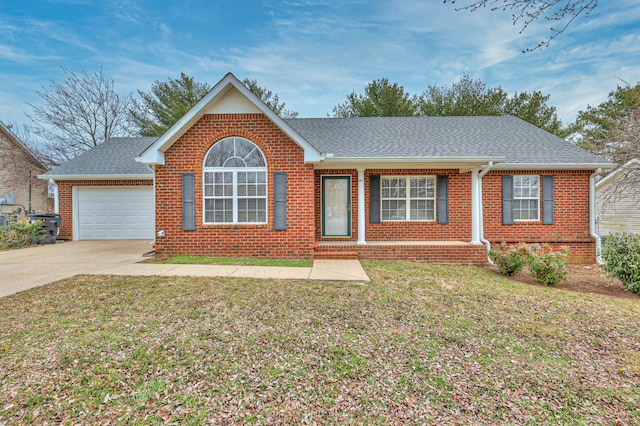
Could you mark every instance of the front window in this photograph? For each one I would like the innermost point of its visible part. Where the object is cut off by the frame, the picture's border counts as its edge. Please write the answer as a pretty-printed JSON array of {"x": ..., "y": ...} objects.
[
  {"x": 526, "y": 197},
  {"x": 408, "y": 198},
  {"x": 235, "y": 183}
]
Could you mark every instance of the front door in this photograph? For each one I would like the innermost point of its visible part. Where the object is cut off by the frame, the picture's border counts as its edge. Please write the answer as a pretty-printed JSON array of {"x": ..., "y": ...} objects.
[{"x": 336, "y": 206}]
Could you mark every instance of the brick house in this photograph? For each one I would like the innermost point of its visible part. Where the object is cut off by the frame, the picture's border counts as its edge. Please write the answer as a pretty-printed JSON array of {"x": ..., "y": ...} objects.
[
  {"x": 19, "y": 169},
  {"x": 232, "y": 178}
]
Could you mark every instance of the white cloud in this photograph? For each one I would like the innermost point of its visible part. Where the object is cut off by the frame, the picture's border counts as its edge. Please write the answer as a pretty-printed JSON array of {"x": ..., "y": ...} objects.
[{"x": 314, "y": 52}]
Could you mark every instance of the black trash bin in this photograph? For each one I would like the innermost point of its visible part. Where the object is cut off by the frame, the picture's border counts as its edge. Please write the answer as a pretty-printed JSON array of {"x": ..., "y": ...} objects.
[{"x": 51, "y": 225}]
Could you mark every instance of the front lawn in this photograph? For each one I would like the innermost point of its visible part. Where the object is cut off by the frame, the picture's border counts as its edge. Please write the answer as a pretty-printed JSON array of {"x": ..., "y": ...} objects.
[{"x": 420, "y": 344}]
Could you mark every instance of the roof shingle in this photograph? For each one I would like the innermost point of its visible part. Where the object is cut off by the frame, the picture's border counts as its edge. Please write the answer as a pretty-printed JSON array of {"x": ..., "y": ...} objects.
[
  {"x": 440, "y": 137},
  {"x": 519, "y": 142},
  {"x": 117, "y": 156}
]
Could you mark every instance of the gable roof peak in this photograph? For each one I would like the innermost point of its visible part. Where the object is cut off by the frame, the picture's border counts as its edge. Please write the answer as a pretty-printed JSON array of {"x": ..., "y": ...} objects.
[{"x": 154, "y": 154}]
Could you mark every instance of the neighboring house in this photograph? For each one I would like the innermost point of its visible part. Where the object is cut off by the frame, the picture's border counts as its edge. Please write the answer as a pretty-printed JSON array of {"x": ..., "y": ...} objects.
[
  {"x": 232, "y": 178},
  {"x": 619, "y": 206},
  {"x": 19, "y": 170}
]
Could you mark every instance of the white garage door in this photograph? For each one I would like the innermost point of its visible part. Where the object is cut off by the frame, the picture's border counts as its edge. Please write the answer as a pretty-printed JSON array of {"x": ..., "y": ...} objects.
[{"x": 118, "y": 213}]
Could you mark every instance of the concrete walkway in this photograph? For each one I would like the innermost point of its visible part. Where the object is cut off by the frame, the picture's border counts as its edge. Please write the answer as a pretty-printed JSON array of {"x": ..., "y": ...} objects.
[{"x": 39, "y": 265}]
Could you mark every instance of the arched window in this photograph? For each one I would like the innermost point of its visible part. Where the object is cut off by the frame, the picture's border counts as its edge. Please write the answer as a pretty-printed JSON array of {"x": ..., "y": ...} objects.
[{"x": 235, "y": 183}]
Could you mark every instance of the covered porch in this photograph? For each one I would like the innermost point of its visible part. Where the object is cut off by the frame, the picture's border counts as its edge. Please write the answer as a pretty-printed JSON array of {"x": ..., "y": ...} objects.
[{"x": 355, "y": 225}]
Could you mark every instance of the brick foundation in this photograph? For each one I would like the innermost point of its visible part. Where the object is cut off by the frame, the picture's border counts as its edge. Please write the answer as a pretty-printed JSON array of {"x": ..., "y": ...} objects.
[{"x": 426, "y": 252}]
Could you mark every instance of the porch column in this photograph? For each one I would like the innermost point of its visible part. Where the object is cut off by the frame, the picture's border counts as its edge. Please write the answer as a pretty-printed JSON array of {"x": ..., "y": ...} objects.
[
  {"x": 475, "y": 207},
  {"x": 361, "y": 218}
]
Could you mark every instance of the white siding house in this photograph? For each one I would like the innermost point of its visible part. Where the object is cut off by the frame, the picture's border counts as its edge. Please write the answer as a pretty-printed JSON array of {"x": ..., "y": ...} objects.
[{"x": 618, "y": 209}]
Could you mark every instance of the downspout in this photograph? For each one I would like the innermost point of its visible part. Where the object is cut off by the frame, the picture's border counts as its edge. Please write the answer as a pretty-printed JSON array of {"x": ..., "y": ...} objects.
[
  {"x": 483, "y": 240},
  {"x": 152, "y": 169},
  {"x": 592, "y": 215},
  {"x": 56, "y": 198}
]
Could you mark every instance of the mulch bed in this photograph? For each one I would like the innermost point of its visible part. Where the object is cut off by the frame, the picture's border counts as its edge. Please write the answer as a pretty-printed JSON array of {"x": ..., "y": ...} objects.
[{"x": 583, "y": 279}]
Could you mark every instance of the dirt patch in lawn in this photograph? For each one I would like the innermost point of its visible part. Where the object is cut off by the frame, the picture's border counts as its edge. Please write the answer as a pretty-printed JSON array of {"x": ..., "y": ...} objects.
[{"x": 582, "y": 279}]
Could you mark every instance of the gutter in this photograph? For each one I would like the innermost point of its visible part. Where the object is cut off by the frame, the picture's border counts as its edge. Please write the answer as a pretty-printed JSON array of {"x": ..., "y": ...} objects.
[
  {"x": 556, "y": 166},
  {"x": 152, "y": 169},
  {"x": 592, "y": 215},
  {"x": 483, "y": 240},
  {"x": 435, "y": 160},
  {"x": 97, "y": 177}
]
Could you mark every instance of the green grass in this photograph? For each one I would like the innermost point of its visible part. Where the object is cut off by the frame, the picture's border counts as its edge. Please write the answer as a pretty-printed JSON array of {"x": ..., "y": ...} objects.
[
  {"x": 420, "y": 344},
  {"x": 245, "y": 261}
]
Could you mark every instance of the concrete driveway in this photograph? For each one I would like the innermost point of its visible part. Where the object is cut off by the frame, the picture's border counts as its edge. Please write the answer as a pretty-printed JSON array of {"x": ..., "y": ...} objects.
[{"x": 38, "y": 265}]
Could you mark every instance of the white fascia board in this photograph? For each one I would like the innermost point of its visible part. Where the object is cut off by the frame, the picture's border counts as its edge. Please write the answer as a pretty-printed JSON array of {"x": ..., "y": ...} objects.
[
  {"x": 154, "y": 154},
  {"x": 412, "y": 159},
  {"x": 407, "y": 163},
  {"x": 147, "y": 176},
  {"x": 553, "y": 166},
  {"x": 618, "y": 170},
  {"x": 154, "y": 157}
]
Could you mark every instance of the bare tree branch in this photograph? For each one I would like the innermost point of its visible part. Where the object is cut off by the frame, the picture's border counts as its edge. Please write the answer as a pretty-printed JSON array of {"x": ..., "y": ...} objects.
[
  {"x": 612, "y": 130},
  {"x": 79, "y": 113},
  {"x": 525, "y": 12}
]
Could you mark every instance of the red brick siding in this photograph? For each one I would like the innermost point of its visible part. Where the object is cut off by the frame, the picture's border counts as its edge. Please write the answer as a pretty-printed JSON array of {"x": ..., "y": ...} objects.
[
  {"x": 571, "y": 214},
  {"x": 458, "y": 228},
  {"x": 282, "y": 154},
  {"x": 425, "y": 253},
  {"x": 570, "y": 230},
  {"x": 65, "y": 195}
]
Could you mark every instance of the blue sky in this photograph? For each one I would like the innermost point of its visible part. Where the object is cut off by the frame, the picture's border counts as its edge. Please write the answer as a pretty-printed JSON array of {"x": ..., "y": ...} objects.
[{"x": 312, "y": 52}]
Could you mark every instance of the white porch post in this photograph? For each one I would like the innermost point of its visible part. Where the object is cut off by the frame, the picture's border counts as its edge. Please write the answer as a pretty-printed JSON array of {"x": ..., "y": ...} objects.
[
  {"x": 475, "y": 207},
  {"x": 361, "y": 218}
]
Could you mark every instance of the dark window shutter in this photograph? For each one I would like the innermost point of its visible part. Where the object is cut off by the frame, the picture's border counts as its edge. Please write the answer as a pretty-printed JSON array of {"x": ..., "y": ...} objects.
[
  {"x": 443, "y": 199},
  {"x": 188, "y": 202},
  {"x": 547, "y": 200},
  {"x": 280, "y": 200},
  {"x": 374, "y": 199},
  {"x": 507, "y": 200}
]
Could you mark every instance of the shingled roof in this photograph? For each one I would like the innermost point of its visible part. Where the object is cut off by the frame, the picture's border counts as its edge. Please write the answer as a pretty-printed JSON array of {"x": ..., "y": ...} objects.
[
  {"x": 517, "y": 141},
  {"x": 114, "y": 158}
]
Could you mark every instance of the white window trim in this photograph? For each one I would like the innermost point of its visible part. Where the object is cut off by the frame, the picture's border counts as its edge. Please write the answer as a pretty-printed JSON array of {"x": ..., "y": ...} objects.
[
  {"x": 527, "y": 198},
  {"x": 408, "y": 198},
  {"x": 234, "y": 197}
]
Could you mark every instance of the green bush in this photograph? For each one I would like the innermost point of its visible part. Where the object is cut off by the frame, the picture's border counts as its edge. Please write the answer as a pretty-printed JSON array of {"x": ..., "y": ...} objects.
[
  {"x": 547, "y": 267},
  {"x": 621, "y": 256},
  {"x": 510, "y": 259},
  {"x": 19, "y": 232}
]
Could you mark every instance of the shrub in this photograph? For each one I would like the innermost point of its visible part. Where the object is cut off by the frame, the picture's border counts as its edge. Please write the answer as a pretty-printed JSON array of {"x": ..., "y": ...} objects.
[
  {"x": 547, "y": 267},
  {"x": 510, "y": 259},
  {"x": 19, "y": 232},
  {"x": 621, "y": 256}
]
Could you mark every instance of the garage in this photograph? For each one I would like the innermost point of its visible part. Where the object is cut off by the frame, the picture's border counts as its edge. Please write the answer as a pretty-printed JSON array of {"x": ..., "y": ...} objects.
[{"x": 114, "y": 213}]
